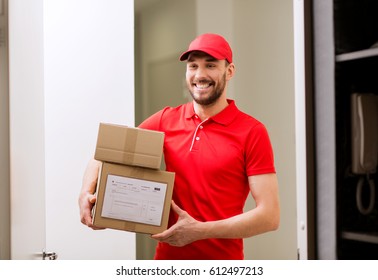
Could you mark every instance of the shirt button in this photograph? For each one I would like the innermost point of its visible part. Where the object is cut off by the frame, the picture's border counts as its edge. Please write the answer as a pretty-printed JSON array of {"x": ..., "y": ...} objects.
[
  {"x": 196, "y": 116},
  {"x": 197, "y": 138},
  {"x": 201, "y": 127}
]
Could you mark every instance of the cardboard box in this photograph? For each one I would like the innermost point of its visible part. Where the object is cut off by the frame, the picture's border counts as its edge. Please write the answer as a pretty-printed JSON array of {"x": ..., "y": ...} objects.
[
  {"x": 133, "y": 198},
  {"x": 130, "y": 146}
]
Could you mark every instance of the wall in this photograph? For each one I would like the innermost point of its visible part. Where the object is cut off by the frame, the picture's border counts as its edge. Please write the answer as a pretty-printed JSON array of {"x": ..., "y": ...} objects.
[
  {"x": 4, "y": 132},
  {"x": 261, "y": 34},
  {"x": 264, "y": 87},
  {"x": 163, "y": 31},
  {"x": 220, "y": 22}
]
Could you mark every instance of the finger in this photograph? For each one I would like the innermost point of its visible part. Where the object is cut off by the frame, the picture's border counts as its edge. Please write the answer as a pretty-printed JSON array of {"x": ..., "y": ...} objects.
[
  {"x": 163, "y": 235},
  {"x": 86, "y": 218},
  {"x": 92, "y": 199},
  {"x": 88, "y": 221},
  {"x": 177, "y": 209},
  {"x": 86, "y": 210}
]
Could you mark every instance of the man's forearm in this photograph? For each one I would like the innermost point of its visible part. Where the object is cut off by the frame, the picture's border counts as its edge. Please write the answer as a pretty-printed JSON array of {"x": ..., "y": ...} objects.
[{"x": 90, "y": 177}]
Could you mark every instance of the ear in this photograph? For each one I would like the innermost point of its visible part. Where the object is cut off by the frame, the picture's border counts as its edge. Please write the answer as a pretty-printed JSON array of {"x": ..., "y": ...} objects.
[{"x": 230, "y": 71}]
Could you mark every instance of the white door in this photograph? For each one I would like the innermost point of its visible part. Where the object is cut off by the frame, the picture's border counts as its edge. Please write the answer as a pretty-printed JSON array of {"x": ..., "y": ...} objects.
[{"x": 71, "y": 67}]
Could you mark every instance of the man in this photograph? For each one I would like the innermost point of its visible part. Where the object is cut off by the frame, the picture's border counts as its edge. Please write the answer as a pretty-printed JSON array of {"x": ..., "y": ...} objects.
[{"x": 219, "y": 155}]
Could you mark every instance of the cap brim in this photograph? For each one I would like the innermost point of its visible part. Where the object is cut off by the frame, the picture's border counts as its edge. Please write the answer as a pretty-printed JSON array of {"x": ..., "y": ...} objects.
[{"x": 185, "y": 55}]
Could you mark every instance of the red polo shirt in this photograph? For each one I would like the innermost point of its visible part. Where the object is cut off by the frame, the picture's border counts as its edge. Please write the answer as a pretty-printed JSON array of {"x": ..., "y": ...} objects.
[{"x": 212, "y": 160}]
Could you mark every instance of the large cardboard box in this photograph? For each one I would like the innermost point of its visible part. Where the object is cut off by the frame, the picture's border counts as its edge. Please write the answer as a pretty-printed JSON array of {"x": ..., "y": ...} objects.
[
  {"x": 130, "y": 146},
  {"x": 133, "y": 198}
]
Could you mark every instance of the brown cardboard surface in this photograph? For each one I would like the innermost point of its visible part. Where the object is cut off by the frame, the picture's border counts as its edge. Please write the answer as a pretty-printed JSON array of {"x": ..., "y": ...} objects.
[
  {"x": 129, "y": 145},
  {"x": 132, "y": 172}
]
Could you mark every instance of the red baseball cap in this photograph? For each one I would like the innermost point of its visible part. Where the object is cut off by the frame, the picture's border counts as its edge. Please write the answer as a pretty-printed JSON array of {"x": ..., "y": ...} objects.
[{"x": 212, "y": 44}]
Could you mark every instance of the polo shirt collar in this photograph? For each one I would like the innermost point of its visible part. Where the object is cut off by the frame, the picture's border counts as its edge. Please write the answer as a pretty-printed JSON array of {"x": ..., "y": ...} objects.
[{"x": 225, "y": 117}]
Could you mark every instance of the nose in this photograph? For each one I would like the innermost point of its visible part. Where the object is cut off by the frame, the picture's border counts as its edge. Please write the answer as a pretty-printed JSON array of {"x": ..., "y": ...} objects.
[{"x": 200, "y": 73}]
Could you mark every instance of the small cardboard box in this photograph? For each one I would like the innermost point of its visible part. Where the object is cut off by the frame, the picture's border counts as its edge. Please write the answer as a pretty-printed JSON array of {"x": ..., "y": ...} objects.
[
  {"x": 130, "y": 146},
  {"x": 133, "y": 198}
]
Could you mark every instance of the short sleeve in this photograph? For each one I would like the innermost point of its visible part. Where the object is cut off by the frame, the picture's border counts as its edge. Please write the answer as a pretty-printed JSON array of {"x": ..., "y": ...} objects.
[
  {"x": 154, "y": 121},
  {"x": 259, "y": 153}
]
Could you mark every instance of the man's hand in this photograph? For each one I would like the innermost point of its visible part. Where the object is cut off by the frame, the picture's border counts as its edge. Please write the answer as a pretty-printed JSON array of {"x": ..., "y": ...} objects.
[
  {"x": 87, "y": 199},
  {"x": 185, "y": 231},
  {"x": 86, "y": 203}
]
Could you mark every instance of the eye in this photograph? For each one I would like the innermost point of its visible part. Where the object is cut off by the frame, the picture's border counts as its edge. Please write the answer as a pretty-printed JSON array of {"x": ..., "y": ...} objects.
[
  {"x": 192, "y": 66},
  {"x": 211, "y": 65}
]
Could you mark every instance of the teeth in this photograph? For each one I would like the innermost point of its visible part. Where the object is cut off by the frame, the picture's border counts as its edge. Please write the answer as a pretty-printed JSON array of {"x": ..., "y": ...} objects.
[{"x": 202, "y": 86}]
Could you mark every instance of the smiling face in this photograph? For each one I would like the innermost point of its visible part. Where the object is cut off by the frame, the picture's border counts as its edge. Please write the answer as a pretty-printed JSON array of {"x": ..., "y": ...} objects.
[{"x": 207, "y": 77}]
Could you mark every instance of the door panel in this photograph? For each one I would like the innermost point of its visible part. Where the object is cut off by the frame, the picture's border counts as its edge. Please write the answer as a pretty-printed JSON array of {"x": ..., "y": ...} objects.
[{"x": 75, "y": 72}]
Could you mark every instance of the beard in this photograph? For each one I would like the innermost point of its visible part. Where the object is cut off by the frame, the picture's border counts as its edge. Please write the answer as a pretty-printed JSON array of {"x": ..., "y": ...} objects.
[{"x": 213, "y": 96}]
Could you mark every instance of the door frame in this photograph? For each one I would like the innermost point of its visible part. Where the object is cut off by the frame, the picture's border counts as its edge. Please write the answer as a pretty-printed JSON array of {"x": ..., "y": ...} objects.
[{"x": 304, "y": 123}]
